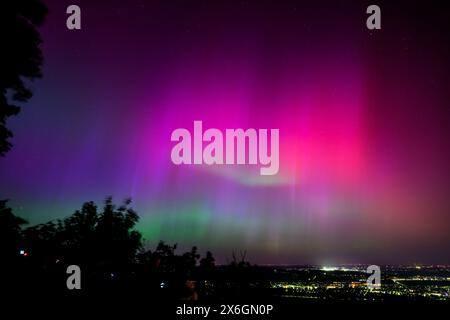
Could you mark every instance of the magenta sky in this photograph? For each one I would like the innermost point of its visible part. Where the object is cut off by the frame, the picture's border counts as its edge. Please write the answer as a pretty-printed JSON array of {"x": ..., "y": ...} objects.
[{"x": 363, "y": 119}]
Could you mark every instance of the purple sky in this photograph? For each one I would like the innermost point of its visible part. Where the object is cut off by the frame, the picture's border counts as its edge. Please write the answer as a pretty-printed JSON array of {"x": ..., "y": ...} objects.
[{"x": 363, "y": 118}]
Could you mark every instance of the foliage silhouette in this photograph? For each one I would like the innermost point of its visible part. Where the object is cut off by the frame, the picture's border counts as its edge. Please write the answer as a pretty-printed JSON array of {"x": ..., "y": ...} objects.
[
  {"x": 208, "y": 261},
  {"x": 111, "y": 255},
  {"x": 10, "y": 232},
  {"x": 21, "y": 57},
  {"x": 102, "y": 242}
]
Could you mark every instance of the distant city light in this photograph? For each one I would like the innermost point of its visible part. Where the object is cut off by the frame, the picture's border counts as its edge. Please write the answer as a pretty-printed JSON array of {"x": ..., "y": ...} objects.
[{"x": 327, "y": 268}]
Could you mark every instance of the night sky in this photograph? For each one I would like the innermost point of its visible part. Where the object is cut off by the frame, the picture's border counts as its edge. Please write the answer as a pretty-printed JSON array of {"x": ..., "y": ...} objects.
[{"x": 364, "y": 119}]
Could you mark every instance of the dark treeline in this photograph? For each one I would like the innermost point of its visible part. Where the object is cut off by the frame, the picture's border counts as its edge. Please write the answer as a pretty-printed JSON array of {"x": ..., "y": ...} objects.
[{"x": 112, "y": 258}]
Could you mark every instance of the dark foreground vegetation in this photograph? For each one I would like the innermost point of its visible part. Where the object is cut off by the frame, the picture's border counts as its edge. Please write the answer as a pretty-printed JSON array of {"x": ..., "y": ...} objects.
[{"x": 113, "y": 260}]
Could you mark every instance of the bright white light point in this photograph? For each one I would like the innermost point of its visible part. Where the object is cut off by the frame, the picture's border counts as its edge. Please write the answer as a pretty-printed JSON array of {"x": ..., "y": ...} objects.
[{"x": 326, "y": 268}]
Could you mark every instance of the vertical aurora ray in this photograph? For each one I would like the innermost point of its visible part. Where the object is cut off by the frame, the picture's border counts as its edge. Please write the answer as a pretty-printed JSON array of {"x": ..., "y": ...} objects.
[{"x": 362, "y": 119}]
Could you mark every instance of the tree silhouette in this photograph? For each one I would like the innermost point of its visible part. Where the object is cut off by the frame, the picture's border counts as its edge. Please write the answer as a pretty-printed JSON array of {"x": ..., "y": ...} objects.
[
  {"x": 21, "y": 57},
  {"x": 208, "y": 262},
  {"x": 101, "y": 237},
  {"x": 165, "y": 257},
  {"x": 189, "y": 259},
  {"x": 10, "y": 232},
  {"x": 102, "y": 242},
  {"x": 11, "y": 240}
]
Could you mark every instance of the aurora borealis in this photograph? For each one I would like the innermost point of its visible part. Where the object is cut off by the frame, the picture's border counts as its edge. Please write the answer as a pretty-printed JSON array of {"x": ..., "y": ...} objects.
[{"x": 363, "y": 119}]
